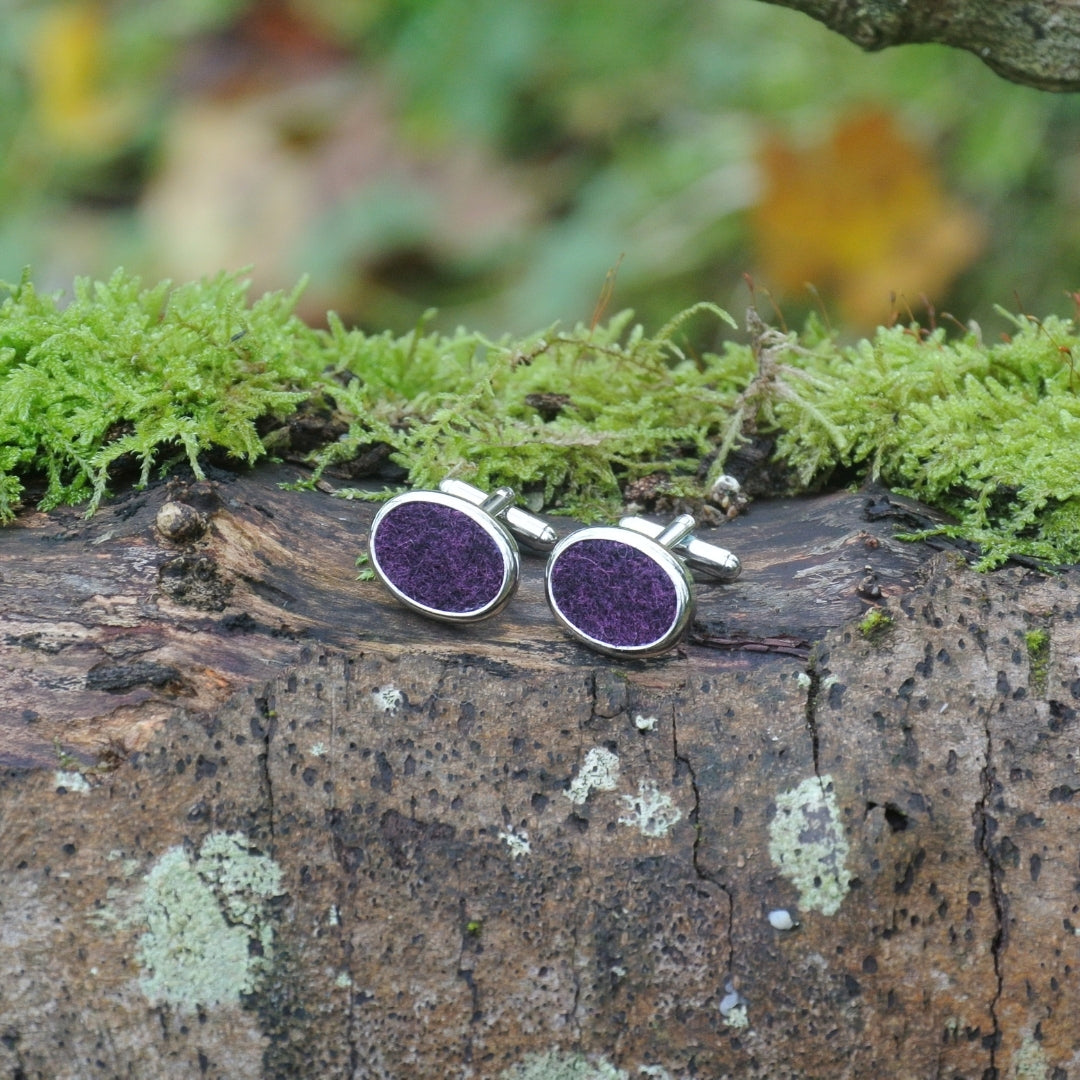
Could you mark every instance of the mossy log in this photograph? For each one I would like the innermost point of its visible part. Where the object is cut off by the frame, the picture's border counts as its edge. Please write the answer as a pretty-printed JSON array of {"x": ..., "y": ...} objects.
[{"x": 257, "y": 821}]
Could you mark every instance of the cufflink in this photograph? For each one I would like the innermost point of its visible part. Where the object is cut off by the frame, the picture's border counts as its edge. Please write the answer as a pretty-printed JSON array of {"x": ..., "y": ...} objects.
[
  {"x": 451, "y": 554},
  {"x": 626, "y": 590}
]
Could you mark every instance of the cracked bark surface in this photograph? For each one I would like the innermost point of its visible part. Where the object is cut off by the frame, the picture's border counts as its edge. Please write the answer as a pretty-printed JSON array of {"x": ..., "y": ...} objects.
[
  {"x": 1033, "y": 42},
  {"x": 445, "y": 908}
]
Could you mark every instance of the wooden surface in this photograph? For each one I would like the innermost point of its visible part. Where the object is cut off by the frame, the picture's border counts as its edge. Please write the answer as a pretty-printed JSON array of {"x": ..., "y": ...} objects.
[
  {"x": 106, "y": 627},
  {"x": 258, "y": 821}
]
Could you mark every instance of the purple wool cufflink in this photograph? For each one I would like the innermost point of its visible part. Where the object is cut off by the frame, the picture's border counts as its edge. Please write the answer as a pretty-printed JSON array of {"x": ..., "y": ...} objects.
[
  {"x": 440, "y": 557},
  {"x": 448, "y": 553},
  {"x": 621, "y": 590}
]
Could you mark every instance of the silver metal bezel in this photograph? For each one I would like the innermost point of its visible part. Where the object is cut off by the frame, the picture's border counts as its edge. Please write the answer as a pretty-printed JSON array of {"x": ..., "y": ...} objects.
[
  {"x": 494, "y": 528},
  {"x": 670, "y": 564}
]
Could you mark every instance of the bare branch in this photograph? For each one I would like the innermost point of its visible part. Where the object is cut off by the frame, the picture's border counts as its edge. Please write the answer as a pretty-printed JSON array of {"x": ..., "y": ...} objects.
[{"x": 1033, "y": 42}]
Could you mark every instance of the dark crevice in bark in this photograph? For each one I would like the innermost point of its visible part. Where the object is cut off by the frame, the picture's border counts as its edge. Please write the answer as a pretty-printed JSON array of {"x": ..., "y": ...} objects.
[
  {"x": 352, "y": 1031},
  {"x": 695, "y": 818},
  {"x": 467, "y": 976},
  {"x": 572, "y": 1018},
  {"x": 437, "y": 693},
  {"x": 107, "y": 1036},
  {"x": 352, "y": 1026},
  {"x": 985, "y": 825},
  {"x": 813, "y": 692},
  {"x": 267, "y": 723},
  {"x": 21, "y": 1070},
  {"x": 354, "y": 1046}
]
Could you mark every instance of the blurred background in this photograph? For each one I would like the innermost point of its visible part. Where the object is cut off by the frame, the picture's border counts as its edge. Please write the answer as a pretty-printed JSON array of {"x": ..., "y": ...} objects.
[{"x": 496, "y": 159}]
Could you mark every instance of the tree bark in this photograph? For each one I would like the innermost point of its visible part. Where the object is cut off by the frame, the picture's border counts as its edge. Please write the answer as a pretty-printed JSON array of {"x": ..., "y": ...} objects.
[
  {"x": 1033, "y": 42},
  {"x": 257, "y": 821}
]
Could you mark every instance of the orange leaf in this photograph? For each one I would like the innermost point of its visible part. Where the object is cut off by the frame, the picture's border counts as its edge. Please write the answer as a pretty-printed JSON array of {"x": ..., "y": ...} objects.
[{"x": 860, "y": 217}]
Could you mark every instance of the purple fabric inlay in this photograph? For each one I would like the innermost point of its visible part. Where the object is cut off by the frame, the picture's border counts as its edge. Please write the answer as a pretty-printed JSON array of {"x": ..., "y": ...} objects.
[
  {"x": 439, "y": 557},
  {"x": 614, "y": 593}
]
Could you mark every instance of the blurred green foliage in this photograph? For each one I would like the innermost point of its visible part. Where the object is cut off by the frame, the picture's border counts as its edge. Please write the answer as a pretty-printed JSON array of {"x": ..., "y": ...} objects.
[{"x": 493, "y": 160}]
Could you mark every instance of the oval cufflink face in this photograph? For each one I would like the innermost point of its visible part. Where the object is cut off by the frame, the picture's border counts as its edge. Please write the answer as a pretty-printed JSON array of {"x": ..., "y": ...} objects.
[
  {"x": 619, "y": 592},
  {"x": 443, "y": 557}
]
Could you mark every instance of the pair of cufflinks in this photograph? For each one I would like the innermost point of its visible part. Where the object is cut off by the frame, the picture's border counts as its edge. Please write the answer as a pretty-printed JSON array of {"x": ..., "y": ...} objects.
[{"x": 623, "y": 590}]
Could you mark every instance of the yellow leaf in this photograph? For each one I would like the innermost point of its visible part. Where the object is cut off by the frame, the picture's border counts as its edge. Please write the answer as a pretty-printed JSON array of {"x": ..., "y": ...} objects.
[
  {"x": 860, "y": 217},
  {"x": 66, "y": 62}
]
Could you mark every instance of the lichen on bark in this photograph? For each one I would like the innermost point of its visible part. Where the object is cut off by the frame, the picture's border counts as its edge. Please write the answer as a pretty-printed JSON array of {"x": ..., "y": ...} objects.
[{"x": 206, "y": 940}]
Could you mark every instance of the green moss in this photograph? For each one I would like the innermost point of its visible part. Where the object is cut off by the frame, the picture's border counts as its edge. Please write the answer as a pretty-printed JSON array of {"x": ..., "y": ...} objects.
[
  {"x": 64, "y": 759},
  {"x": 630, "y": 405},
  {"x": 875, "y": 624},
  {"x": 1038, "y": 650},
  {"x": 128, "y": 380},
  {"x": 987, "y": 433},
  {"x": 125, "y": 374}
]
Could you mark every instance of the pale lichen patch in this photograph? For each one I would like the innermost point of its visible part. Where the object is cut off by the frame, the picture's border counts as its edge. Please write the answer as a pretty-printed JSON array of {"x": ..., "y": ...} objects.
[
  {"x": 242, "y": 878},
  {"x": 1029, "y": 1062},
  {"x": 387, "y": 699},
  {"x": 645, "y": 723},
  {"x": 737, "y": 1017},
  {"x": 807, "y": 844},
  {"x": 599, "y": 772},
  {"x": 129, "y": 867},
  {"x": 557, "y": 1065},
  {"x": 650, "y": 811},
  {"x": 206, "y": 939},
  {"x": 518, "y": 843},
  {"x": 72, "y": 781},
  {"x": 733, "y": 1007},
  {"x": 189, "y": 954}
]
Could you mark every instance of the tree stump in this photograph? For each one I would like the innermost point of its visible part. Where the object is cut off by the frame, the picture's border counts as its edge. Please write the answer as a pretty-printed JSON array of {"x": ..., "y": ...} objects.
[{"x": 258, "y": 821}]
